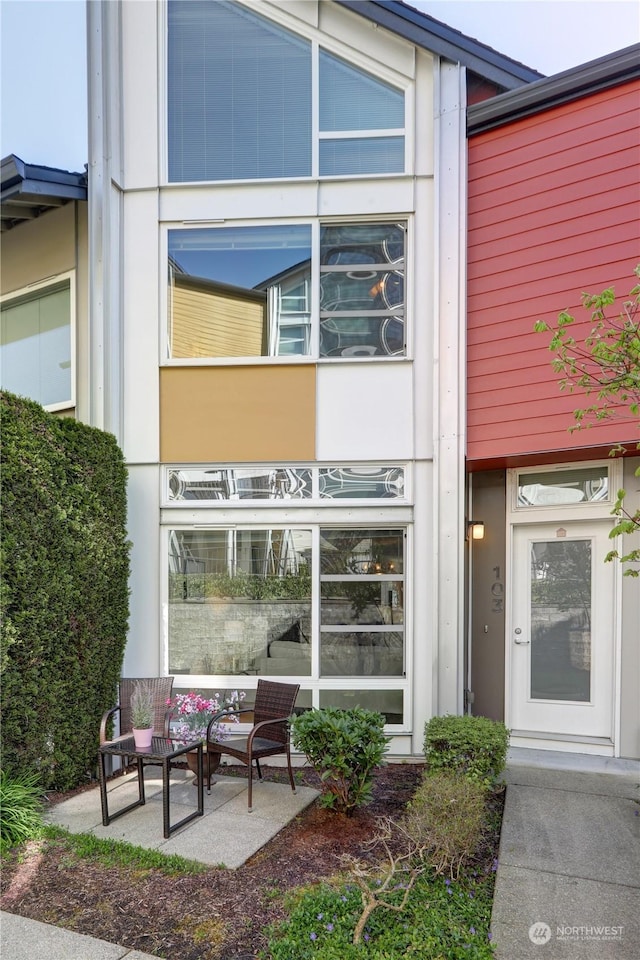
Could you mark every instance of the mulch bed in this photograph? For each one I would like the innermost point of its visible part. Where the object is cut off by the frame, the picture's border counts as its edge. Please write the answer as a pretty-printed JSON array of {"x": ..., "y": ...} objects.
[{"x": 208, "y": 916}]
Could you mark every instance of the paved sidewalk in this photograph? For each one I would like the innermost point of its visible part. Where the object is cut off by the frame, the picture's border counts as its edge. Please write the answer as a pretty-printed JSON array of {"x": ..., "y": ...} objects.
[{"x": 568, "y": 882}]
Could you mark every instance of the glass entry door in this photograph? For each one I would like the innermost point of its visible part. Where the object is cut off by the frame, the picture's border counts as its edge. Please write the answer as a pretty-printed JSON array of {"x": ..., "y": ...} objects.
[{"x": 562, "y": 630}]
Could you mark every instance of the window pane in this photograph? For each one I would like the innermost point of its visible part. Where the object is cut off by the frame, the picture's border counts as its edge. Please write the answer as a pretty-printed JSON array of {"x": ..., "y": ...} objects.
[
  {"x": 240, "y": 602},
  {"x": 35, "y": 353},
  {"x": 237, "y": 291},
  {"x": 357, "y": 155},
  {"x": 351, "y": 99},
  {"x": 357, "y": 551},
  {"x": 239, "y": 95},
  {"x": 373, "y": 601},
  {"x": 256, "y": 483},
  {"x": 362, "y": 654},
  {"x": 387, "y": 702},
  {"x": 370, "y": 483},
  {"x": 362, "y": 289},
  {"x": 554, "y": 487},
  {"x": 561, "y": 620}
]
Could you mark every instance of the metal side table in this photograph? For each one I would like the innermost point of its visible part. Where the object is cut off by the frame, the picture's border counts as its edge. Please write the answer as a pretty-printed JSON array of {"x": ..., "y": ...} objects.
[{"x": 163, "y": 751}]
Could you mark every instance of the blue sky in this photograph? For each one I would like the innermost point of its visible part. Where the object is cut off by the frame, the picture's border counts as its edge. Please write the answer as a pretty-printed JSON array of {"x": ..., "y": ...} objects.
[{"x": 43, "y": 58}]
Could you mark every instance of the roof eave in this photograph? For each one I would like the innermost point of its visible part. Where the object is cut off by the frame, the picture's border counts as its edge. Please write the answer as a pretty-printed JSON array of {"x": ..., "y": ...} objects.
[
  {"x": 444, "y": 41},
  {"x": 608, "y": 71}
]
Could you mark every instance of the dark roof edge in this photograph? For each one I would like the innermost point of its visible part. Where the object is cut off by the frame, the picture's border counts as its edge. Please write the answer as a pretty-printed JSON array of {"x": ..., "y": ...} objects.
[
  {"x": 15, "y": 171},
  {"x": 424, "y": 31},
  {"x": 608, "y": 71}
]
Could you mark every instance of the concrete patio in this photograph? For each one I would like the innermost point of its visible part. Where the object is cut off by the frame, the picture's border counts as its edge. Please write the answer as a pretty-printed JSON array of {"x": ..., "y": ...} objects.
[{"x": 227, "y": 835}]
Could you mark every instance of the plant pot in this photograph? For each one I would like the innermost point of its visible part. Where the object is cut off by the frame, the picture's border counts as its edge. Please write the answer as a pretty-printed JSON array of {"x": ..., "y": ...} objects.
[
  {"x": 210, "y": 762},
  {"x": 143, "y": 738}
]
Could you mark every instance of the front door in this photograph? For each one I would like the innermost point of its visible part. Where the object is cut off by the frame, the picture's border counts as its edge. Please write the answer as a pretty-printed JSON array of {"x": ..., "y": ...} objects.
[{"x": 561, "y": 630}]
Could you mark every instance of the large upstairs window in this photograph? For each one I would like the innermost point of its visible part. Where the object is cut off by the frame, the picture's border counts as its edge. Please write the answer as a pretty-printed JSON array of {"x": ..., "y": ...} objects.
[
  {"x": 243, "y": 98},
  {"x": 327, "y": 290}
]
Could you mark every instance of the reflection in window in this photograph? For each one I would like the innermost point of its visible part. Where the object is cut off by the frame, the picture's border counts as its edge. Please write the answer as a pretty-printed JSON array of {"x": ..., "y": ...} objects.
[
  {"x": 239, "y": 291},
  {"x": 240, "y": 602},
  {"x": 367, "y": 483},
  {"x": 362, "y": 284},
  {"x": 35, "y": 346},
  {"x": 551, "y": 488},
  {"x": 362, "y": 603},
  {"x": 285, "y": 483},
  {"x": 251, "y": 483},
  {"x": 387, "y": 702},
  {"x": 561, "y": 620},
  {"x": 246, "y": 291}
]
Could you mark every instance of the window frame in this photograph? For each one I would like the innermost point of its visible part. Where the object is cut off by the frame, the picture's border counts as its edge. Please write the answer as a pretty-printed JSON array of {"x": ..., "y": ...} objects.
[
  {"x": 571, "y": 511},
  {"x": 313, "y": 520},
  {"x": 315, "y": 500},
  {"x": 165, "y": 293},
  {"x": 318, "y": 41},
  {"x": 46, "y": 287}
]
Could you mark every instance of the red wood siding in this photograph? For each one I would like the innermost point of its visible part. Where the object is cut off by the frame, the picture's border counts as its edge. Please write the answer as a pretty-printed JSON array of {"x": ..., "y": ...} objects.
[{"x": 554, "y": 210}]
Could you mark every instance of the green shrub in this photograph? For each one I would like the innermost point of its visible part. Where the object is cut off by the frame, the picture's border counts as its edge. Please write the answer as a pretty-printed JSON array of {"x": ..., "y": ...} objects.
[
  {"x": 445, "y": 819},
  {"x": 476, "y": 747},
  {"x": 20, "y": 809},
  {"x": 64, "y": 564},
  {"x": 343, "y": 746}
]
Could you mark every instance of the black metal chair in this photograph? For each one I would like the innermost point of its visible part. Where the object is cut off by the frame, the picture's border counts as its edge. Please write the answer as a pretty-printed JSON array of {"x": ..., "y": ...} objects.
[{"x": 269, "y": 735}]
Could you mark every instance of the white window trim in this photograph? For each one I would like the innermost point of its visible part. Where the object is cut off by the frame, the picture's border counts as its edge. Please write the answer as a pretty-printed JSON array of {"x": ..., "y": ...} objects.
[
  {"x": 318, "y": 40},
  {"x": 314, "y": 501},
  {"x": 571, "y": 511},
  {"x": 42, "y": 286},
  {"x": 313, "y": 357},
  {"x": 315, "y": 684}
]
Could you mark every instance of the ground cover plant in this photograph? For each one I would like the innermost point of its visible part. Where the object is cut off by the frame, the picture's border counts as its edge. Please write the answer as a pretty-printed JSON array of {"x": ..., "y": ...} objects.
[{"x": 180, "y": 912}]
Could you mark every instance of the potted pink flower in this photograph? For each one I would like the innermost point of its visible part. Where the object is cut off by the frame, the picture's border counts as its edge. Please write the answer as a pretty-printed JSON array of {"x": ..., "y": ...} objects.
[{"x": 193, "y": 713}]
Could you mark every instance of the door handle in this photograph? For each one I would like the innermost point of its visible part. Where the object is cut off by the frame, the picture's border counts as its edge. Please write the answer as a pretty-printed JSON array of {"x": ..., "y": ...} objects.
[{"x": 518, "y": 636}]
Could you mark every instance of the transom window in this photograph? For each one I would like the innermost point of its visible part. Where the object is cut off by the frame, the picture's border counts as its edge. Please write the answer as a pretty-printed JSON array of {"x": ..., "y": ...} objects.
[
  {"x": 559, "y": 487},
  {"x": 249, "y": 291},
  {"x": 229, "y": 484},
  {"x": 241, "y": 95},
  {"x": 36, "y": 346}
]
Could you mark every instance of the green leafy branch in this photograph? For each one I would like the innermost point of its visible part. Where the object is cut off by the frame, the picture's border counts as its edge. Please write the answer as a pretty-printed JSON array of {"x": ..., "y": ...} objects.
[{"x": 606, "y": 367}]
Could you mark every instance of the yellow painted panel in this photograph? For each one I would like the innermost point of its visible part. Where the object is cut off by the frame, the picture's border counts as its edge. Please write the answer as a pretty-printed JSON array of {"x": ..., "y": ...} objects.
[{"x": 237, "y": 414}]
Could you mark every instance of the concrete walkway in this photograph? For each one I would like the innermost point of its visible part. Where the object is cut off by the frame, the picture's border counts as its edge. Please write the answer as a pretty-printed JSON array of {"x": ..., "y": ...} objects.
[
  {"x": 568, "y": 882},
  {"x": 225, "y": 836}
]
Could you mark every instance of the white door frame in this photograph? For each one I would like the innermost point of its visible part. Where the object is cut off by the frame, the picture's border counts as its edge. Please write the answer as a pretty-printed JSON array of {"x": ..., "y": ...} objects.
[{"x": 518, "y": 516}]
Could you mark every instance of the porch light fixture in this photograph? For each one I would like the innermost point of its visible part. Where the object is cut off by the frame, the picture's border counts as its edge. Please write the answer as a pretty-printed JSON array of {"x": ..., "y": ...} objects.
[{"x": 475, "y": 530}]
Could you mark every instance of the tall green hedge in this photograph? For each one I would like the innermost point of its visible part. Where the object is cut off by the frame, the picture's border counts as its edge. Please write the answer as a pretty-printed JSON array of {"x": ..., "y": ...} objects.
[{"x": 64, "y": 564}]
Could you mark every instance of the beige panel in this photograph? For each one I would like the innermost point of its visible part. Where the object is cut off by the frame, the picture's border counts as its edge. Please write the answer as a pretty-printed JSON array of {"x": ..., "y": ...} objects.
[
  {"x": 40, "y": 248},
  {"x": 237, "y": 414}
]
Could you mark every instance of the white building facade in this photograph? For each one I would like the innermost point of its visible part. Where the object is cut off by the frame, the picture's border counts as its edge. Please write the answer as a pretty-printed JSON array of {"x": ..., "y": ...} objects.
[{"x": 276, "y": 222}]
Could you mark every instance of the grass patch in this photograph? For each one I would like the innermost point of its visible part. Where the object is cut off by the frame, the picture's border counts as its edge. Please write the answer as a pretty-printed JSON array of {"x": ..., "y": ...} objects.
[{"x": 119, "y": 853}]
